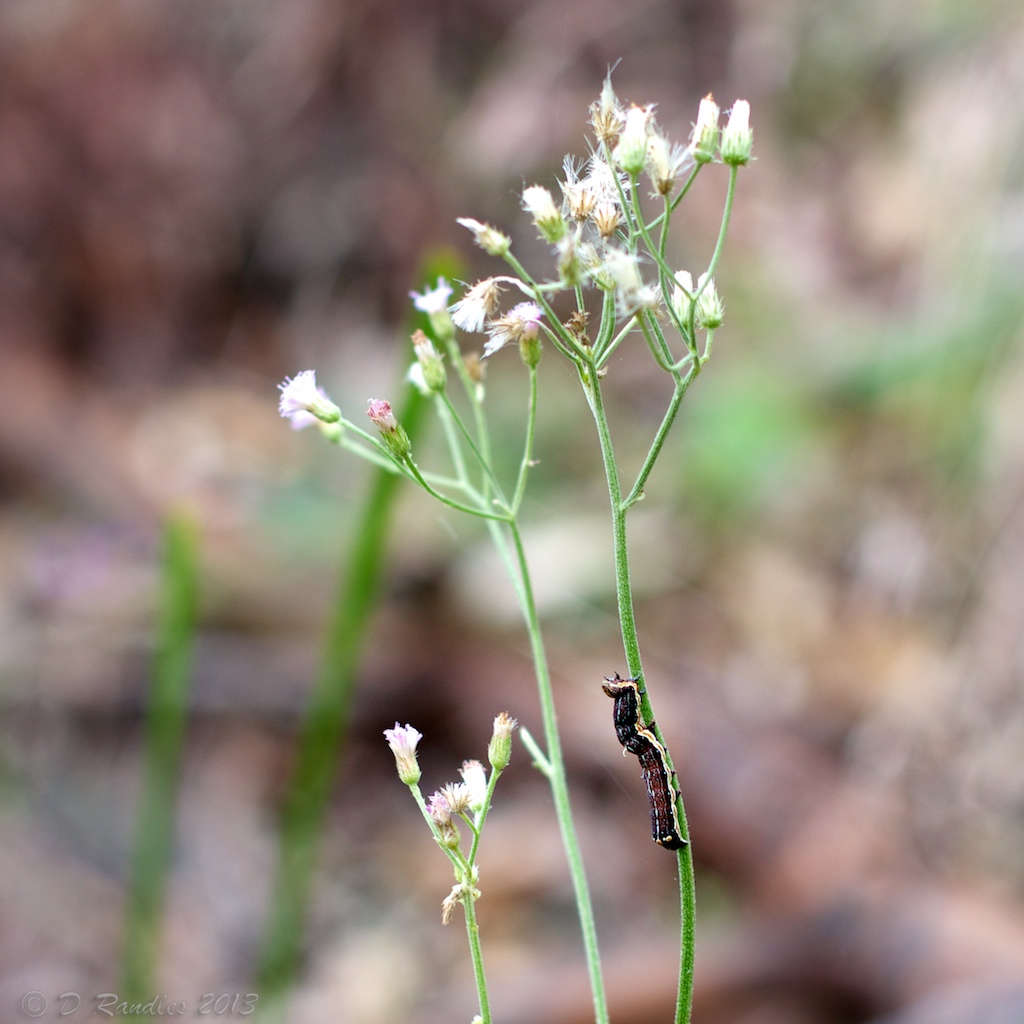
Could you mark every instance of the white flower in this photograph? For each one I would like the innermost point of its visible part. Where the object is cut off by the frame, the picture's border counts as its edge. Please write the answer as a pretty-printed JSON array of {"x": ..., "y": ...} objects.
[
  {"x": 665, "y": 162},
  {"x": 606, "y": 114},
  {"x": 481, "y": 301},
  {"x": 579, "y": 198},
  {"x": 435, "y": 300},
  {"x": 631, "y": 294},
  {"x": 457, "y": 796},
  {"x": 475, "y": 778},
  {"x": 303, "y": 403},
  {"x": 601, "y": 179}
]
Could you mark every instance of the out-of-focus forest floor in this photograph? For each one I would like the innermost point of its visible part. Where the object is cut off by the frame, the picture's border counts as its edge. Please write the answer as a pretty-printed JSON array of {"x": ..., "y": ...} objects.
[{"x": 199, "y": 198}]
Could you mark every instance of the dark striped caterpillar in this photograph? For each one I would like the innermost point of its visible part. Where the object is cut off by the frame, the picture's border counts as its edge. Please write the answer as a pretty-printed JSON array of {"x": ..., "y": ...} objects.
[{"x": 637, "y": 738}]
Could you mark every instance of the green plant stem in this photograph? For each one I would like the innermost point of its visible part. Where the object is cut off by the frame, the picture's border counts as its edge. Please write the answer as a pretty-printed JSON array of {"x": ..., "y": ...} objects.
[
  {"x": 465, "y": 873},
  {"x": 163, "y": 739},
  {"x": 478, "y": 824},
  {"x": 527, "y": 460},
  {"x": 723, "y": 228},
  {"x": 559, "y": 784},
  {"x": 482, "y": 513},
  {"x": 631, "y": 645},
  {"x": 477, "y": 956},
  {"x": 682, "y": 385}
]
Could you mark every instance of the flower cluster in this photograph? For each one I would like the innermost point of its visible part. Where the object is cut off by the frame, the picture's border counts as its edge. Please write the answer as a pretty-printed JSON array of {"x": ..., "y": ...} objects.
[
  {"x": 596, "y": 230},
  {"x": 598, "y": 236},
  {"x": 469, "y": 800}
]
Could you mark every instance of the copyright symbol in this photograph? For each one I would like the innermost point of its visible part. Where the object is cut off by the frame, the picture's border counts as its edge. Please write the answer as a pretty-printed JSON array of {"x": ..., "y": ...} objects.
[{"x": 33, "y": 1004}]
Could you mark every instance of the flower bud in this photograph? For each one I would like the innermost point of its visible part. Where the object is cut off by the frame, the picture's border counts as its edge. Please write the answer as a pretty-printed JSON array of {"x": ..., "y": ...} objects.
[
  {"x": 499, "y": 750},
  {"x": 402, "y": 740},
  {"x": 395, "y": 439},
  {"x": 475, "y": 778},
  {"x": 710, "y": 309},
  {"x": 429, "y": 361},
  {"x": 489, "y": 239},
  {"x": 631, "y": 152},
  {"x": 571, "y": 271},
  {"x": 440, "y": 812},
  {"x": 681, "y": 295},
  {"x": 704, "y": 139},
  {"x": 540, "y": 205},
  {"x": 738, "y": 139}
]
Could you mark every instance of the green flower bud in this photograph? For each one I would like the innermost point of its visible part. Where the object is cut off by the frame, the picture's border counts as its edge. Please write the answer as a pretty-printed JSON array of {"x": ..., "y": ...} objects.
[{"x": 499, "y": 750}]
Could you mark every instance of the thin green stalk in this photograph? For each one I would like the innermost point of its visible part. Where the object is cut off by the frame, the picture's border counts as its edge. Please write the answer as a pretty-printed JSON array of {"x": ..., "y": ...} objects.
[
  {"x": 481, "y": 458},
  {"x": 559, "y": 783},
  {"x": 477, "y": 956},
  {"x": 723, "y": 228},
  {"x": 482, "y": 513},
  {"x": 527, "y": 460},
  {"x": 163, "y": 738},
  {"x": 631, "y": 645},
  {"x": 478, "y": 825},
  {"x": 682, "y": 385},
  {"x": 465, "y": 873}
]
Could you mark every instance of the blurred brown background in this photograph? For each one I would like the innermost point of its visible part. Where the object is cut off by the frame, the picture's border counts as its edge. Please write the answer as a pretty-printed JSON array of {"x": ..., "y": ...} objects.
[{"x": 198, "y": 197}]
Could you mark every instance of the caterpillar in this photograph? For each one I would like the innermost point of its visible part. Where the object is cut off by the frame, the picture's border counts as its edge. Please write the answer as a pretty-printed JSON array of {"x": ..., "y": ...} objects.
[
  {"x": 665, "y": 829},
  {"x": 637, "y": 738},
  {"x": 626, "y": 713}
]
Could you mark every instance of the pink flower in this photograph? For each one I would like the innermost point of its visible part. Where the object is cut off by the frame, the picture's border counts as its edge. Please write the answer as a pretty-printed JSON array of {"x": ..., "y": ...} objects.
[
  {"x": 439, "y": 809},
  {"x": 402, "y": 740},
  {"x": 395, "y": 439},
  {"x": 520, "y": 323}
]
